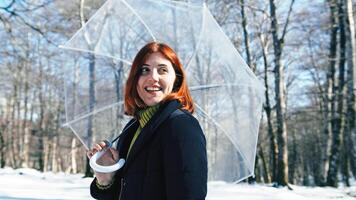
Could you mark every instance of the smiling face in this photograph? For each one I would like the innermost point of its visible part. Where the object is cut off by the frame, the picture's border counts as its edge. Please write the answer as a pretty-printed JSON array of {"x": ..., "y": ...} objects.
[{"x": 156, "y": 79}]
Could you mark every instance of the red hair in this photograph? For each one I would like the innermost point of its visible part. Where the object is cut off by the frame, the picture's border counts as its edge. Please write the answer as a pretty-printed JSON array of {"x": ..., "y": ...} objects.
[{"x": 180, "y": 91}]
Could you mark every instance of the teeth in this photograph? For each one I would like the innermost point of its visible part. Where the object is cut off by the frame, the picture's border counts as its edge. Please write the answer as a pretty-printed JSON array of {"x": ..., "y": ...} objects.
[{"x": 150, "y": 89}]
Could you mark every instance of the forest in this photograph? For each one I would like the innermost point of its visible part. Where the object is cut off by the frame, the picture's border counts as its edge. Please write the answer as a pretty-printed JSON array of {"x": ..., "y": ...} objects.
[{"x": 303, "y": 52}]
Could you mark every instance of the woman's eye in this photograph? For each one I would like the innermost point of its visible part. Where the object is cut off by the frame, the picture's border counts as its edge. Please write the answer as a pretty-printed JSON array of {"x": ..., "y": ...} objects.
[
  {"x": 163, "y": 70},
  {"x": 144, "y": 70}
]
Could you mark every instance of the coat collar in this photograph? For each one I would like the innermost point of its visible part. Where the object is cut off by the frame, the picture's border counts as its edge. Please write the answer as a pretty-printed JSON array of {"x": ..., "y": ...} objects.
[{"x": 148, "y": 131}]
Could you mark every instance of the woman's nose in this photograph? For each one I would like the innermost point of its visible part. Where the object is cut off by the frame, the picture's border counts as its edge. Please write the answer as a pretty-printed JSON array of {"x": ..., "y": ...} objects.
[{"x": 154, "y": 75}]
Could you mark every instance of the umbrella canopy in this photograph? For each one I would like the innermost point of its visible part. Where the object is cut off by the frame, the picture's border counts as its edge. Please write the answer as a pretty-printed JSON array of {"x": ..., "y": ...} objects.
[{"x": 227, "y": 95}]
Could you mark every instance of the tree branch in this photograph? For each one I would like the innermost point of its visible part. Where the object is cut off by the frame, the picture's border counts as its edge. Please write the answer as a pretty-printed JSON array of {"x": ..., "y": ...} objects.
[
  {"x": 287, "y": 22},
  {"x": 8, "y": 6}
]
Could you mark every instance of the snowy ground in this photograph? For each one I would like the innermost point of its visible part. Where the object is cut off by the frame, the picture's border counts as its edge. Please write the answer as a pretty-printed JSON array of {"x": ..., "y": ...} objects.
[{"x": 29, "y": 184}]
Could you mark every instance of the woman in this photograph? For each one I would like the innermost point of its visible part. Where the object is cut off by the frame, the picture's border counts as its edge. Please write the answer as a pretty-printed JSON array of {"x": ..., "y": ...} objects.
[{"x": 164, "y": 145}]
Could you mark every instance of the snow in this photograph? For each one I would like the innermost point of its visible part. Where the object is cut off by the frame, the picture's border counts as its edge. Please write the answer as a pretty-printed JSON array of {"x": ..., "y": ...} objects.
[
  {"x": 29, "y": 184},
  {"x": 223, "y": 191}
]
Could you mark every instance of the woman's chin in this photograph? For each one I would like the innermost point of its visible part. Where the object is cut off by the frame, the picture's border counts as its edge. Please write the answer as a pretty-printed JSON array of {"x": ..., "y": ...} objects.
[{"x": 153, "y": 102}]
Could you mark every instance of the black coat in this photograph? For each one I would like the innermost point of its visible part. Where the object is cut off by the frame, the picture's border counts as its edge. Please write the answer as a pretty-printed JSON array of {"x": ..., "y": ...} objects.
[{"x": 167, "y": 161}]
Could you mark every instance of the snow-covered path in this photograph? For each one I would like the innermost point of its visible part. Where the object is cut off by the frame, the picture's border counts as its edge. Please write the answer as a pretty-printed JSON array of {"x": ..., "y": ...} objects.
[{"x": 29, "y": 184}]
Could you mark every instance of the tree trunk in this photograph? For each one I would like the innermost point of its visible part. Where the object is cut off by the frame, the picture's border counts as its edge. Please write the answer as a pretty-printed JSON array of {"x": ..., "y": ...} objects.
[
  {"x": 17, "y": 129},
  {"x": 317, "y": 166},
  {"x": 338, "y": 119},
  {"x": 25, "y": 129},
  {"x": 74, "y": 152},
  {"x": 2, "y": 145},
  {"x": 40, "y": 125},
  {"x": 92, "y": 102},
  {"x": 46, "y": 153},
  {"x": 12, "y": 129},
  {"x": 248, "y": 57},
  {"x": 7, "y": 134},
  {"x": 26, "y": 148},
  {"x": 345, "y": 166},
  {"x": 32, "y": 128},
  {"x": 268, "y": 110},
  {"x": 55, "y": 167},
  {"x": 282, "y": 173},
  {"x": 351, "y": 86},
  {"x": 92, "y": 98},
  {"x": 329, "y": 108},
  {"x": 293, "y": 158},
  {"x": 306, "y": 181},
  {"x": 266, "y": 174},
  {"x": 119, "y": 73},
  {"x": 246, "y": 39},
  {"x": 56, "y": 159}
]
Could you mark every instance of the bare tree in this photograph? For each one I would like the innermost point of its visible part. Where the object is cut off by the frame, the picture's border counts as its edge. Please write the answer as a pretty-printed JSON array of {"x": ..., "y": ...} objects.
[
  {"x": 278, "y": 41},
  {"x": 338, "y": 118},
  {"x": 268, "y": 108},
  {"x": 329, "y": 99},
  {"x": 350, "y": 139}
]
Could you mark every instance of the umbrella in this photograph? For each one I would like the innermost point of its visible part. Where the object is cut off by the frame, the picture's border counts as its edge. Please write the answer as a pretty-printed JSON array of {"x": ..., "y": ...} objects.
[{"x": 227, "y": 94}]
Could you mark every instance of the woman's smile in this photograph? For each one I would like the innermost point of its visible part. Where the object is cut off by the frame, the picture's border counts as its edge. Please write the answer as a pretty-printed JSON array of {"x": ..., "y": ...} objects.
[{"x": 153, "y": 89}]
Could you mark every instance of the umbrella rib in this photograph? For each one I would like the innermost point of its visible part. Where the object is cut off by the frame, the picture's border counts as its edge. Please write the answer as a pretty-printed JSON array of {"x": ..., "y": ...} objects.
[
  {"x": 78, "y": 137},
  {"x": 95, "y": 53},
  {"x": 91, "y": 18},
  {"x": 232, "y": 47},
  {"x": 224, "y": 131},
  {"x": 201, "y": 87},
  {"x": 139, "y": 18},
  {"x": 92, "y": 113},
  {"x": 180, "y": 3}
]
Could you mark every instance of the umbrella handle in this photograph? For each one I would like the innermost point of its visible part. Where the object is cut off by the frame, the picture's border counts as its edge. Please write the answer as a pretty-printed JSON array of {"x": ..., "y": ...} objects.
[{"x": 104, "y": 169}]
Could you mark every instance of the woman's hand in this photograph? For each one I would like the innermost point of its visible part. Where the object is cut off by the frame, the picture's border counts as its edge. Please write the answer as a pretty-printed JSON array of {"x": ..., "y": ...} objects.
[{"x": 110, "y": 157}]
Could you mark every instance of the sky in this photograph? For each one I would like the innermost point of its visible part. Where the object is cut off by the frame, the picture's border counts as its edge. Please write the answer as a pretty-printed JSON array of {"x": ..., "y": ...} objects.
[{"x": 29, "y": 184}]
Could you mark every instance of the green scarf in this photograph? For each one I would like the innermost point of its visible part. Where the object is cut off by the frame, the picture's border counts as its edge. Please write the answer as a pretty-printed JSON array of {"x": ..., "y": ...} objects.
[{"x": 143, "y": 117}]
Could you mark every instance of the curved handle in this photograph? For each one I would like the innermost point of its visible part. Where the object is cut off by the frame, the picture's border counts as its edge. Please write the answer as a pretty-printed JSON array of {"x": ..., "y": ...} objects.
[{"x": 104, "y": 169}]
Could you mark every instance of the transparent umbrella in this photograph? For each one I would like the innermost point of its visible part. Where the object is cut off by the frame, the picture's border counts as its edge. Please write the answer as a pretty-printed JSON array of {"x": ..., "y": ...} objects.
[{"x": 227, "y": 95}]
